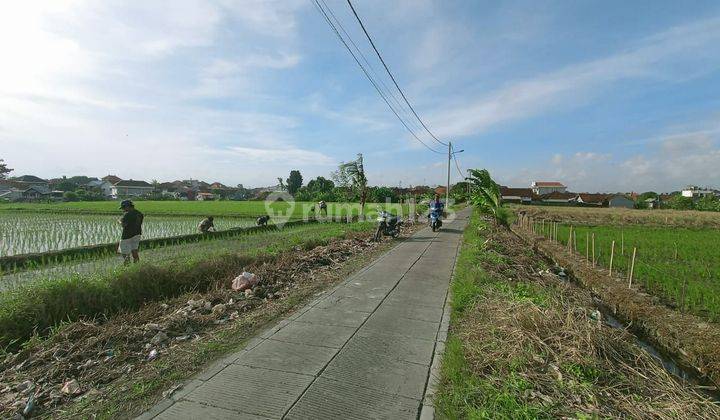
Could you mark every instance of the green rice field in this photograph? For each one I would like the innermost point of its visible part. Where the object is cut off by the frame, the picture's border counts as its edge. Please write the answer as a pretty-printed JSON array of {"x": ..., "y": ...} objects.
[
  {"x": 33, "y": 232},
  {"x": 109, "y": 263},
  {"x": 677, "y": 264},
  {"x": 251, "y": 209}
]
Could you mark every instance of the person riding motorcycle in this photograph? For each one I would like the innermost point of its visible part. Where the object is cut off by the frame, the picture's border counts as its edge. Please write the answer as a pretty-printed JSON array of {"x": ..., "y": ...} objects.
[{"x": 435, "y": 212}]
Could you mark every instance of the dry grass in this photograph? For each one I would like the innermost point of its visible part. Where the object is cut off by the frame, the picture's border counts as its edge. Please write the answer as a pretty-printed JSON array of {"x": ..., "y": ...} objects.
[
  {"x": 617, "y": 216},
  {"x": 689, "y": 338},
  {"x": 109, "y": 358},
  {"x": 528, "y": 345}
]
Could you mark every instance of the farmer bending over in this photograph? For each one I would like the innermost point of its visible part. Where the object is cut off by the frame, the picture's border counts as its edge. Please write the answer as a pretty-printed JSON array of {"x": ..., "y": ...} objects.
[
  {"x": 206, "y": 225},
  {"x": 131, "y": 222},
  {"x": 262, "y": 220}
]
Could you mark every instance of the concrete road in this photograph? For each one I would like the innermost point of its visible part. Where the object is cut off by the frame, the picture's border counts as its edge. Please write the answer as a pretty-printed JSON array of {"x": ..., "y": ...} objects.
[{"x": 368, "y": 349}]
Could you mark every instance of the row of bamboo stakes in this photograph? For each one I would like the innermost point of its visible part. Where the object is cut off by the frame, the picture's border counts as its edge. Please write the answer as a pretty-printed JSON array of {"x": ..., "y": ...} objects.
[
  {"x": 529, "y": 224},
  {"x": 551, "y": 231}
]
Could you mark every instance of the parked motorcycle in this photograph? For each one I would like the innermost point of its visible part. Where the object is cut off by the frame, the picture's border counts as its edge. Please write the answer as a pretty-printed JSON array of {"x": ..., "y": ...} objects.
[
  {"x": 435, "y": 218},
  {"x": 388, "y": 225}
]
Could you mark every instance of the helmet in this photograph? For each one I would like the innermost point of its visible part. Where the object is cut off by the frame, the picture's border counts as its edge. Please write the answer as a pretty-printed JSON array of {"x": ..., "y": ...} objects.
[{"x": 126, "y": 203}]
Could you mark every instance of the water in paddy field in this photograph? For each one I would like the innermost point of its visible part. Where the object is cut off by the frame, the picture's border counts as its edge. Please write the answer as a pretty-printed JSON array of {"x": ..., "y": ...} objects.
[{"x": 23, "y": 233}]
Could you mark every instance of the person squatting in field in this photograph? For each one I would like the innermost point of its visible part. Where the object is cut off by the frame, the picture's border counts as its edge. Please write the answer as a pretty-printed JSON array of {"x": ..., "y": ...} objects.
[
  {"x": 131, "y": 223},
  {"x": 206, "y": 225},
  {"x": 262, "y": 220}
]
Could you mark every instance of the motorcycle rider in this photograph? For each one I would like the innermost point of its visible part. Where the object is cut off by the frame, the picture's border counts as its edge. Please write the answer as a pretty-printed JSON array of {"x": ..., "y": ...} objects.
[
  {"x": 436, "y": 204},
  {"x": 437, "y": 208}
]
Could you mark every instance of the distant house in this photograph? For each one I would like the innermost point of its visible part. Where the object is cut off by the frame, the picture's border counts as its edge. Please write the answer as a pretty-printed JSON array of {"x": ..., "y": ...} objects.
[
  {"x": 516, "y": 195},
  {"x": 33, "y": 181},
  {"x": 112, "y": 179},
  {"x": 102, "y": 185},
  {"x": 695, "y": 192},
  {"x": 547, "y": 187},
  {"x": 131, "y": 188},
  {"x": 11, "y": 194},
  {"x": 621, "y": 200},
  {"x": 558, "y": 197},
  {"x": 204, "y": 196},
  {"x": 35, "y": 193},
  {"x": 7, "y": 185},
  {"x": 218, "y": 186},
  {"x": 600, "y": 200}
]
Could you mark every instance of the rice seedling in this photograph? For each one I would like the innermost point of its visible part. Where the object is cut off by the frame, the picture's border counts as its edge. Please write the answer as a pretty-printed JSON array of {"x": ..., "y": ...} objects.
[{"x": 27, "y": 232}]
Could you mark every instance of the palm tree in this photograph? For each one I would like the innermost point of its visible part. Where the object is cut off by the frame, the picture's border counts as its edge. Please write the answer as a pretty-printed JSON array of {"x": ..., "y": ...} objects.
[
  {"x": 355, "y": 172},
  {"x": 486, "y": 195}
]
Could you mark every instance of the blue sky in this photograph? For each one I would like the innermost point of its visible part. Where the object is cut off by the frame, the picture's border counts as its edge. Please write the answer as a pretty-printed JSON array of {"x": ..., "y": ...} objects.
[{"x": 604, "y": 96}]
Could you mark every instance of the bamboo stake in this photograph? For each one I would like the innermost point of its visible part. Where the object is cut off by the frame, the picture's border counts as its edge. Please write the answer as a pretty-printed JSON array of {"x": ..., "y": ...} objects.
[
  {"x": 593, "y": 249},
  {"x": 575, "y": 240},
  {"x": 612, "y": 255},
  {"x": 632, "y": 268},
  {"x": 622, "y": 243},
  {"x": 682, "y": 299},
  {"x": 569, "y": 242},
  {"x": 587, "y": 247}
]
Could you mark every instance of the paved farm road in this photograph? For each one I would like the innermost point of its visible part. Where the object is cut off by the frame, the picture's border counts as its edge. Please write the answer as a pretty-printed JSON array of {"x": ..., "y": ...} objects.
[{"x": 362, "y": 350}]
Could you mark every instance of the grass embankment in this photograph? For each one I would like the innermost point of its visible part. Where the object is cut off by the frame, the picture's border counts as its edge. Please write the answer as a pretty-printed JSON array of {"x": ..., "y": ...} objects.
[
  {"x": 205, "y": 208},
  {"x": 525, "y": 345},
  {"x": 40, "y": 306}
]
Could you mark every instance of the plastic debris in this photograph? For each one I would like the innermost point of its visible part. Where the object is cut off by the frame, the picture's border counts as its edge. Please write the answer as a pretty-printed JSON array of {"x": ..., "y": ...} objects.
[
  {"x": 153, "y": 355},
  {"x": 244, "y": 281},
  {"x": 29, "y": 406},
  {"x": 70, "y": 387},
  {"x": 159, "y": 338},
  {"x": 218, "y": 309}
]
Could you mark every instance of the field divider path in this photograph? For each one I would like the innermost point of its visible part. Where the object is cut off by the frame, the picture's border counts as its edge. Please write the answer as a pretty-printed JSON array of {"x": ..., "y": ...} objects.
[{"x": 363, "y": 349}]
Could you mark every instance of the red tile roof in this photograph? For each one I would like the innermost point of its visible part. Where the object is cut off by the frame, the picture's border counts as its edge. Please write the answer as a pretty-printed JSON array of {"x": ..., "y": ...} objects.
[
  {"x": 516, "y": 192},
  {"x": 557, "y": 195},
  {"x": 594, "y": 198},
  {"x": 547, "y": 184}
]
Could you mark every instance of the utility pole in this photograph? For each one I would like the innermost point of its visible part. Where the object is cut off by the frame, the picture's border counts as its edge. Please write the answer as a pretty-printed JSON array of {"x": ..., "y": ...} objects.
[{"x": 447, "y": 192}]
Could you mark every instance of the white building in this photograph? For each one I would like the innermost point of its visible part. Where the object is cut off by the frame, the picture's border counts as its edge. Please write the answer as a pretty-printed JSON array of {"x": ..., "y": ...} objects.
[
  {"x": 131, "y": 188},
  {"x": 693, "y": 191},
  {"x": 545, "y": 187},
  {"x": 102, "y": 185}
]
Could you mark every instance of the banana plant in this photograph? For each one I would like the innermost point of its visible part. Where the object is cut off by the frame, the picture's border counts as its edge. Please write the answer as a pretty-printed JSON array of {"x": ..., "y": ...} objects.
[{"x": 485, "y": 195}]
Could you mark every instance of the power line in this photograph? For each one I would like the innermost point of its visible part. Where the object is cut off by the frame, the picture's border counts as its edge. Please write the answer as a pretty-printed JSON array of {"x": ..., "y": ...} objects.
[
  {"x": 372, "y": 81},
  {"x": 391, "y": 75},
  {"x": 386, "y": 89},
  {"x": 458, "y": 167}
]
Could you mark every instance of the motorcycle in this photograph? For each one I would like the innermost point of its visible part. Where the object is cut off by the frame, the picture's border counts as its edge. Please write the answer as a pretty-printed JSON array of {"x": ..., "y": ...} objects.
[
  {"x": 434, "y": 216},
  {"x": 388, "y": 225}
]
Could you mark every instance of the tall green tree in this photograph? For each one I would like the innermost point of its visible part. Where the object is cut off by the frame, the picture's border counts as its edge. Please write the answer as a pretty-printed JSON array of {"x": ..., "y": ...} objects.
[
  {"x": 294, "y": 181},
  {"x": 4, "y": 170},
  {"x": 380, "y": 194},
  {"x": 320, "y": 185},
  {"x": 353, "y": 174}
]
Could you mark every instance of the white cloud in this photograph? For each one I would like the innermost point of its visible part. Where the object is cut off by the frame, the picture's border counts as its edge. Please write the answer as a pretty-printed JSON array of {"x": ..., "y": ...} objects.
[
  {"x": 655, "y": 57},
  {"x": 678, "y": 160}
]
